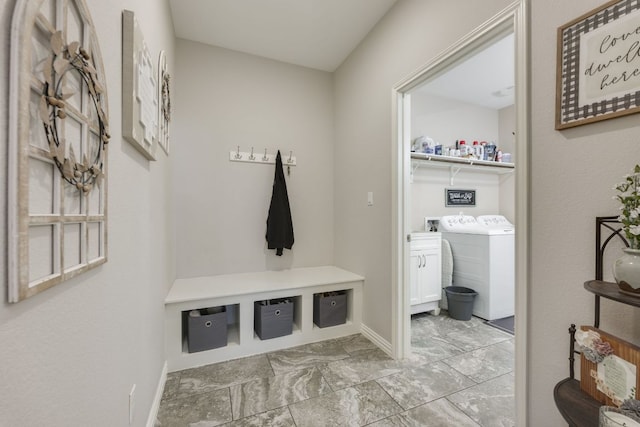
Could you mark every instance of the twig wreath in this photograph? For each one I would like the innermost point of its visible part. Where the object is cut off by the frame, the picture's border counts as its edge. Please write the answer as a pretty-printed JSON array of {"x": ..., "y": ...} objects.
[
  {"x": 166, "y": 97},
  {"x": 86, "y": 174}
]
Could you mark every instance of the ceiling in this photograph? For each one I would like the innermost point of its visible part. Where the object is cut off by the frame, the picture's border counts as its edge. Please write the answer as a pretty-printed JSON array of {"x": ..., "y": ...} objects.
[
  {"x": 317, "y": 34},
  {"x": 320, "y": 34},
  {"x": 486, "y": 79}
]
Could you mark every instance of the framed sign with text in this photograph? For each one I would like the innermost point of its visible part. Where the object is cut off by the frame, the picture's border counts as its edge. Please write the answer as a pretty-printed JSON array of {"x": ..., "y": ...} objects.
[
  {"x": 598, "y": 65},
  {"x": 459, "y": 197},
  {"x": 613, "y": 378}
]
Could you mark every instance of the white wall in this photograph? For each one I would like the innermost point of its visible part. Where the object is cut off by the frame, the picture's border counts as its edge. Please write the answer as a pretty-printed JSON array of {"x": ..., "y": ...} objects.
[
  {"x": 506, "y": 130},
  {"x": 447, "y": 120},
  {"x": 572, "y": 175},
  {"x": 428, "y": 195},
  {"x": 224, "y": 99},
  {"x": 71, "y": 354},
  {"x": 507, "y": 126},
  {"x": 410, "y": 35}
]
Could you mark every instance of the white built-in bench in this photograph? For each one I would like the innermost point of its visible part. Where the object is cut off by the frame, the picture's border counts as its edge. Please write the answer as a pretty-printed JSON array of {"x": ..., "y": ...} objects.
[{"x": 240, "y": 291}]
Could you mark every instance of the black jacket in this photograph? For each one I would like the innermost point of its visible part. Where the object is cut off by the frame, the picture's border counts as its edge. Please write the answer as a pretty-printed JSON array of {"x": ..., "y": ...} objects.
[{"x": 279, "y": 224}]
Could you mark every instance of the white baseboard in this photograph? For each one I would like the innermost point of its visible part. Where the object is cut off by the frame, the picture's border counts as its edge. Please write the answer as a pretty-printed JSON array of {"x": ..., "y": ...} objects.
[
  {"x": 376, "y": 339},
  {"x": 155, "y": 407}
]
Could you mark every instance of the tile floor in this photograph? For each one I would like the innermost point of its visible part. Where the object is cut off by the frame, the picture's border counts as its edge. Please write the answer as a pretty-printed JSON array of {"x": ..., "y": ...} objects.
[{"x": 461, "y": 374}]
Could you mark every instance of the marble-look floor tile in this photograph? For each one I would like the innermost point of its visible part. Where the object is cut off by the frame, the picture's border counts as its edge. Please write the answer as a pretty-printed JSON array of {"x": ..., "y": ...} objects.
[
  {"x": 202, "y": 410},
  {"x": 264, "y": 394},
  {"x": 222, "y": 375},
  {"x": 306, "y": 356},
  {"x": 171, "y": 386},
  {"x": 483, "y": 364},
  {"x": 280, "y": 417},
  {"x": 429, "y": 387},
  {"x": 354, "y": 406},
  {"x": 361, "y": 367},
  {"x": 428, "y": 325},
  {"x": 490, "y": 404},
  {"x": 356, "y": 343},
  {"x": 424, "y": 383},
  {"x": 474, "y": 338},
  {"x": 439, "y": 413},
  {"x": 434, "y": 348},
  {"x": 509, "y": 345}
]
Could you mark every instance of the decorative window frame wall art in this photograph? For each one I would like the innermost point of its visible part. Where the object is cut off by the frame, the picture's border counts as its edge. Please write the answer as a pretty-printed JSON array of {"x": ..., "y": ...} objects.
[
  {"x": 598, "y": 65},
  {"x": 139, "y": 89},
  {"x": 58, "y": 136},
  {"x": 164, "y": 102}
]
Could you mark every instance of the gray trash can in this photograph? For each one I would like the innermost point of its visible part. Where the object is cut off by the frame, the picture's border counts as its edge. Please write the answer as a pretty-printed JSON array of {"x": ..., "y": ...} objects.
[{"x": 460, "y": 302}]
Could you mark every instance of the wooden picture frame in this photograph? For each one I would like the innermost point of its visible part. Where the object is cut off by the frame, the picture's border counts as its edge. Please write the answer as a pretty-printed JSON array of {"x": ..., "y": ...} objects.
[
  {"x": 139, "y": 90},
  {"x": 598, "y": 65}
]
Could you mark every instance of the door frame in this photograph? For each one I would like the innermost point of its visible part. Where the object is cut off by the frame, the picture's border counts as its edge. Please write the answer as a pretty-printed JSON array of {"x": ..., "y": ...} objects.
[{"x": 514, "y": 18}]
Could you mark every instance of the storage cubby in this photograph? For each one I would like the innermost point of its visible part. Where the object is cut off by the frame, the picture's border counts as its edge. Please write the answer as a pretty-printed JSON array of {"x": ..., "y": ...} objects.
[
  {"x": 330, "y": 308},
  {"x": 273, "y": 318},
  {"x": 209, "y": 328},
  {"x": 238, "y": 294}
]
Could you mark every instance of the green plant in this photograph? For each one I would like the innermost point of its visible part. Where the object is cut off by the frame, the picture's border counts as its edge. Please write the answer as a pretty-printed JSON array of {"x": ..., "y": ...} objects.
[{"x": 629, "y": 196}]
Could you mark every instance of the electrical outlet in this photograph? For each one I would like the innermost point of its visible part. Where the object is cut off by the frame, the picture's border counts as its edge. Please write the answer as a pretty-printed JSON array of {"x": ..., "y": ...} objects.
[{"x": 132, "y": 402}]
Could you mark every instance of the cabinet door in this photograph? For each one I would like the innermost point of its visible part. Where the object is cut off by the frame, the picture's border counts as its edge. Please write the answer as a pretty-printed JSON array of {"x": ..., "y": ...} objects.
[
  {"x": 430, "y": 276},
  {"x": 415, "y": 276}
]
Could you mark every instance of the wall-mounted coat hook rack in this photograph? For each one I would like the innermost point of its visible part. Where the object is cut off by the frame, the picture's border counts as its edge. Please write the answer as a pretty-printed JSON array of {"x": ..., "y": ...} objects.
[{"x": 266, "y": 159}]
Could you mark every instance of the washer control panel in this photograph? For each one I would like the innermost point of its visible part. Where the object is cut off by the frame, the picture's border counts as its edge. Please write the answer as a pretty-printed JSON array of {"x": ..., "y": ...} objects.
[{"x": 458, "y": 223}]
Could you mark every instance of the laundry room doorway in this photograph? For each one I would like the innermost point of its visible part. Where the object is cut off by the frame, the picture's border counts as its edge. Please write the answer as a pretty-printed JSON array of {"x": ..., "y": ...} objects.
[{"x": 436, "y": 176}]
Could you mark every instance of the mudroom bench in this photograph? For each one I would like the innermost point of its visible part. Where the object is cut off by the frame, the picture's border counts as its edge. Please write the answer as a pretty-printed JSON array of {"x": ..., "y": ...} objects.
[{"x": 234, "y": 298}]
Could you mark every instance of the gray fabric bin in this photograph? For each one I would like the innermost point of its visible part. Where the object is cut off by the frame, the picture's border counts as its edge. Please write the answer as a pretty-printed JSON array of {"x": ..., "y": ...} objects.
[
  {"x": 273, "y": 318},
  {"x": 330, "y": 309},
  {"x": 208, "y": 330}
]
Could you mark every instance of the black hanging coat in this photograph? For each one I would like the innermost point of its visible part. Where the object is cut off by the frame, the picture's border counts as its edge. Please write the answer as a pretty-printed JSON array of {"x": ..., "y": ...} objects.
[{"x": 279, "y": 224}]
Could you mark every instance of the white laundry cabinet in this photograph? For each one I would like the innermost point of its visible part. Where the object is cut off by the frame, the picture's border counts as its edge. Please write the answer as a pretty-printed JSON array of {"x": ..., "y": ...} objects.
[{"x": 425, "y": 274}]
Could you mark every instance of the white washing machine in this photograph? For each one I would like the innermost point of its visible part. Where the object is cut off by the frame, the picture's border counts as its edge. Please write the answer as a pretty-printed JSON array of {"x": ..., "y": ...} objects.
[{"x": 483, "y": 260}]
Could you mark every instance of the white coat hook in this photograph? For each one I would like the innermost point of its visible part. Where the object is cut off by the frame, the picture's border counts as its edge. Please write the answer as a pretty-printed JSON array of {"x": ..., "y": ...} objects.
[
  {"x": 266, "y": 159},
  {"x": 453, "y": 171}
]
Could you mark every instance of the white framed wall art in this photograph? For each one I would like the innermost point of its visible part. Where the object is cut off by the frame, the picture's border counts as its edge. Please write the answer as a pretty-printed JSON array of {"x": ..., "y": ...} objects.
[{"x": 139, "y": 89}]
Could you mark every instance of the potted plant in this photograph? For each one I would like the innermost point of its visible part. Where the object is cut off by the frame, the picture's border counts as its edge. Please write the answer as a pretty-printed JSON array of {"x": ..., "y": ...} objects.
[{"x": 626, "y": 269}]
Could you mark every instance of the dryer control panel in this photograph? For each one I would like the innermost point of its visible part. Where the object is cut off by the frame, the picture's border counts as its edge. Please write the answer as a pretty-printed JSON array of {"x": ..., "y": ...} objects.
[{"x": 496, "y": 224}]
